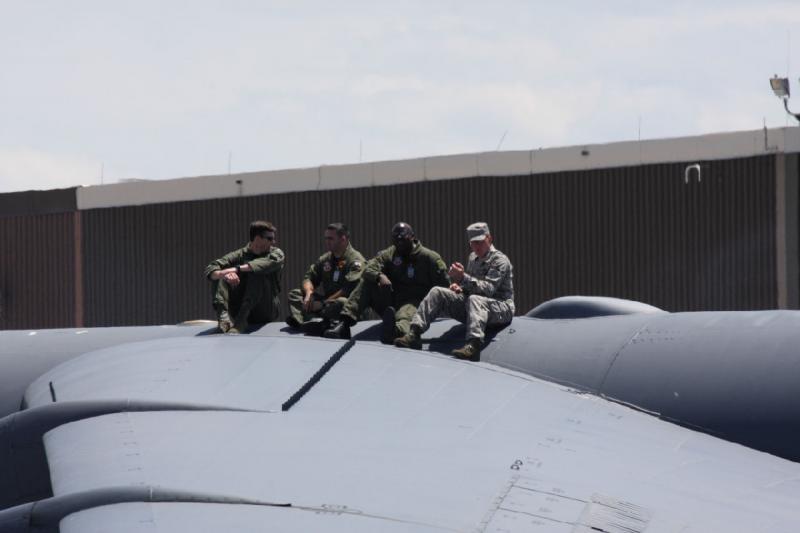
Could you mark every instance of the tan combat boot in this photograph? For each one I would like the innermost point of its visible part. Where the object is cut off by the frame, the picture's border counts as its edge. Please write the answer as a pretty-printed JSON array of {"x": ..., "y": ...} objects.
[
  {"x": 409, "y": 340},
  {"x": 471, "y": 351}
]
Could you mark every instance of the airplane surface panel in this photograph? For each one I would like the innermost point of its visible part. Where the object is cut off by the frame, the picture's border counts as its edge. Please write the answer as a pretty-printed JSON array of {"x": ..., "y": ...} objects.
[
  {"x": 375, "y": 384},
  {"x": 242, "y": 372},
  {"x": 25, "y": 355},
  {"x": 418, "y": 438},
  {"x": 201, "y": 518},
  {"x": 574, "y": 352},
  {"x": 735, "y": 373}
]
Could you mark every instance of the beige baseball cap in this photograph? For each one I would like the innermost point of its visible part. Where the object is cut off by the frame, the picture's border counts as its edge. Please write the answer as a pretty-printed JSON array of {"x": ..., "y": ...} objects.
[{"x": 477, "y": 231}]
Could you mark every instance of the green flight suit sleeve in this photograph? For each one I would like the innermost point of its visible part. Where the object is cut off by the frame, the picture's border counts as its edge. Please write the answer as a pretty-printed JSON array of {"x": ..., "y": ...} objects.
[
  {"x": 226, "y": 261},
  {"x": 377, "y": 264},
  {"x": 355, "y": 271},
  {"x": 440, "y": 278},
  {"x": 353, "y": 276},
  {"x": 272, "y": 262},
  {"x": 313, "y": 274}
]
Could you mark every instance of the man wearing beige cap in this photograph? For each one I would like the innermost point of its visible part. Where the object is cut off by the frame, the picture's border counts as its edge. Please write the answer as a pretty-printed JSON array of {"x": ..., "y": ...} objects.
[{"x": 479, "y": 295}]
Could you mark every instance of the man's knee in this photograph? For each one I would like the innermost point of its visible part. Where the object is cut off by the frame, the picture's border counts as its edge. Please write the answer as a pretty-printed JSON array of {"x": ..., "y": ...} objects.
[
  {"x": 438, "y": 292},
  {"x": 332, "y": 309},
  {"x": 441, "y": 296},
  {"x": 405, "y": 312},
  {"x": 475, "y": 301},
  {"x": 295, "y": 295}
]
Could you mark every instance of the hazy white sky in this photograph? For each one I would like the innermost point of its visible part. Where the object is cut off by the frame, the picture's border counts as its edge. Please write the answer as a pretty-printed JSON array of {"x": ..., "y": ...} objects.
[{"x": 164, "y": 89}]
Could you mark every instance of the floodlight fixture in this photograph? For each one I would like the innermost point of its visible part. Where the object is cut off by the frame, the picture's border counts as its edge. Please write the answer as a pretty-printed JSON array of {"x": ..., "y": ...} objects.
[{"x": 780, "y": 86}]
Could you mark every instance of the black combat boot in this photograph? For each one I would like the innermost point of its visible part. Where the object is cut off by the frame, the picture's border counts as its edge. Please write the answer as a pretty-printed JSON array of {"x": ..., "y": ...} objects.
[
  {"x": 315, "y": 328},
  {"x": 387, "y": 327},
  {"x": 339, "y": 330}
]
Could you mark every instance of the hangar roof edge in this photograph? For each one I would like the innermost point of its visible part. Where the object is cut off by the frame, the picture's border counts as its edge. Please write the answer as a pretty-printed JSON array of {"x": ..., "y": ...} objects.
[{"x": 716, "y": 146}]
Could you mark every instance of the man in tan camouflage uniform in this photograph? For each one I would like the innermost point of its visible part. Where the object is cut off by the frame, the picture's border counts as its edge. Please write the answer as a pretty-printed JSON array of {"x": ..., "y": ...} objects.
[
  {"x": 481, "y": 294},
  {"x": 246, "y": 283},
  {"x": 393, "y": 284},
  {"x": 327, "y": 283}
]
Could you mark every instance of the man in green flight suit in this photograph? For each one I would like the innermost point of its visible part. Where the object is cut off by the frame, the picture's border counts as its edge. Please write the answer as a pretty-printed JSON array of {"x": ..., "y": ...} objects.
[
  {"x": 327, "y": 283},
  {"x": 246, "y": 282},
  {"x": 394, "y": 282}
]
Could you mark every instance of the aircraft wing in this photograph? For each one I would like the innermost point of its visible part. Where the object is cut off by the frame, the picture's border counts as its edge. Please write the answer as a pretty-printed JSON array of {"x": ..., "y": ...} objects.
[{"x": 294, "y": 434}]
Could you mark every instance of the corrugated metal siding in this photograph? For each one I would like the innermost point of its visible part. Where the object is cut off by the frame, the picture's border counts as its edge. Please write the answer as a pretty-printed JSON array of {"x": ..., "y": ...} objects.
[
  {"x": 37, "y": 271},
  {"x": 38, "y": 202},
  {"x": 635, "y": 232}
]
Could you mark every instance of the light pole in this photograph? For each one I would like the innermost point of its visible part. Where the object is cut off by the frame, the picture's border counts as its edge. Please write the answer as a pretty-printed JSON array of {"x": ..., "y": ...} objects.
[{"x": 780, "y": 86}]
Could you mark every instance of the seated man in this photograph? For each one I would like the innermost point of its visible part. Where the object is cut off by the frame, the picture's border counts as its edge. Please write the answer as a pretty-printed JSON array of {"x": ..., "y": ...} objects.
[
  {"x": 246, "y": 282},
  {"x": 480, "y": 295},
  {"x": 393, "y": 284},
  {"x": 335, "y": 274}
]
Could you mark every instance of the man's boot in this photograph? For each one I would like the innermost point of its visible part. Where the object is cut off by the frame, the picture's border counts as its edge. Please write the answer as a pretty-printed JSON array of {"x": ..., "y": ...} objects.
[
  {"x": 471, "y": 351},
  {"x": 339, "y": 330},
  {"x": 224, "y": 321},
  {"x": 412, "y": 339},
  {"x": 387, "y": 327},
  {"x": 315, "y": 328},
  {"x": 293, "y": 323},
  {"x": 240, "y": 323}
]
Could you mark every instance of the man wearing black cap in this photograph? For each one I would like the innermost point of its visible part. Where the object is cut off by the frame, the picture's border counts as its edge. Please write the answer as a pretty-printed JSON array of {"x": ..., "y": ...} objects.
[
  {"x": 393, "y": 284},
  {"x": 481, "y": 294}
]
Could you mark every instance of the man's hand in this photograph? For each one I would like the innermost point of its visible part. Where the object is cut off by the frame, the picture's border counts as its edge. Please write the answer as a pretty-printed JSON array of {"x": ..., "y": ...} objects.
[
  {"x": 456, "y": 272},
  {"x": 308, "y": 302},
  {"x": 231, "y": 278},
  {"x": 384, "y": 281},
  {"x": 456, "y": 288}
]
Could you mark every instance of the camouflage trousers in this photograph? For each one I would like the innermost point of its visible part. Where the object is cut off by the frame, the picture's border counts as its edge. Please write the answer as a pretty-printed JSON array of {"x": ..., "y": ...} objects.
[{"x": 475, "y": 311}]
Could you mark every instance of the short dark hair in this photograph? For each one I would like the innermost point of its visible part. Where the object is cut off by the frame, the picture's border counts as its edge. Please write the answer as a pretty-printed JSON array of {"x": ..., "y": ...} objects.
[
  {"x": 258, "y": 227},
  {"x": 341, "y": 229}
]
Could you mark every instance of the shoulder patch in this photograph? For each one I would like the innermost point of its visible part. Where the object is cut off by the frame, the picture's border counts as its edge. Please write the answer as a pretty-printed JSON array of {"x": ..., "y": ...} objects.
[{"x": 356, "y": 266}]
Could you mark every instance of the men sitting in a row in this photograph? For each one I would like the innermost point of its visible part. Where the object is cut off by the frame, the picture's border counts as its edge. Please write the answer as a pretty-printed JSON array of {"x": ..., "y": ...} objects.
[{"x": 407, "y": 284}]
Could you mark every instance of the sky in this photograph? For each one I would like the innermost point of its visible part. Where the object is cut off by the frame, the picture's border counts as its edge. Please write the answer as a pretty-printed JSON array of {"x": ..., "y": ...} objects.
[{"x": 101, "y": 91}]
